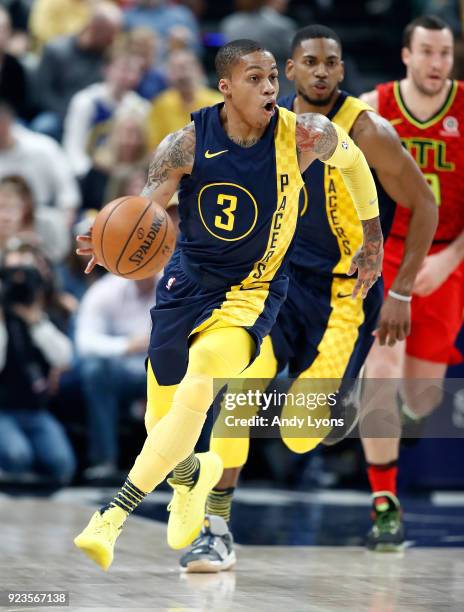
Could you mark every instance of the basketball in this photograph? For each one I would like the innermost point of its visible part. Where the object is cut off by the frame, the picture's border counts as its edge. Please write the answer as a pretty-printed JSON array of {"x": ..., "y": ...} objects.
[{"x": 133, "y": 237}]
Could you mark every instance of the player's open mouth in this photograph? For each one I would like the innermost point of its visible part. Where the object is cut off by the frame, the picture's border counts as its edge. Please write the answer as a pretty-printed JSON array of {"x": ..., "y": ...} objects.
[
  {"x": 320, "y": 86},
  {"x": 270, "y": 107}
]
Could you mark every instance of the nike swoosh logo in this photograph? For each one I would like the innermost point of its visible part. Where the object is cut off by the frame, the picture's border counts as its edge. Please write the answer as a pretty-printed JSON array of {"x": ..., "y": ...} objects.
[
  {"x": 343, "y": 295},
  {"x": 208, "y": 155},
  {"x": 396, "y": 121},
  {"x": 373, "y": 201}
]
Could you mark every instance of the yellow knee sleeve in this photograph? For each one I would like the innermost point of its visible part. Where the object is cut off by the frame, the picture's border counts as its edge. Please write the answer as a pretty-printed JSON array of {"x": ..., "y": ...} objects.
[
  {"x": 174, "y": 436},
  {"x": 219, "y": 353}
]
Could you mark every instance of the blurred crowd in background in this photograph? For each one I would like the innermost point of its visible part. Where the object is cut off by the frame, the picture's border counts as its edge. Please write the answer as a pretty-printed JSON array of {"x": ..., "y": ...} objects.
[{"x": 88, "y": 88}]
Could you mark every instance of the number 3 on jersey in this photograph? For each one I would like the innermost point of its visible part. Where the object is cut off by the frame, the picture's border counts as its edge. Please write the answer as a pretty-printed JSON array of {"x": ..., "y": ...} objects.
[
  {"x": 226, "y": 219},
  {"x": 434, "y": 183},
  {"x": 228, "y": 211}
]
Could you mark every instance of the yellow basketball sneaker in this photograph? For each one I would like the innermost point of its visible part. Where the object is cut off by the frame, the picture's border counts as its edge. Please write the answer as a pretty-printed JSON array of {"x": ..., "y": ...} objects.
[
  {"x": 98, "y": 538},
  {"x": 187, "y": 507}
]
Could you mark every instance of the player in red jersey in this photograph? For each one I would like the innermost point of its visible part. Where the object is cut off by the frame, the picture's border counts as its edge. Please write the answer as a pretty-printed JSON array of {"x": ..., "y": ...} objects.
[{"x": 427, "y": 110}]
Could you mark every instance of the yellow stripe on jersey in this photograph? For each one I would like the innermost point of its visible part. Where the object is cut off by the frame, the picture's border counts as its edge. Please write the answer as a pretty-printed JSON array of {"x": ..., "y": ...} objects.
[
  {"x": 245, "y": 302},
  {"x": 341, "y": 212},
  {"x": 289, "y": 185},
  {"x": 423, "y": 125}
]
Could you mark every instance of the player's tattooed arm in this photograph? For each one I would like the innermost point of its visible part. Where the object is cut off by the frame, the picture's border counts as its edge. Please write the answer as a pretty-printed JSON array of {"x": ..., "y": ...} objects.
[
  {"x": 173, "y": 158},
  {"x": 368, "y": 259},
  {"x": 316, "y": 138}
]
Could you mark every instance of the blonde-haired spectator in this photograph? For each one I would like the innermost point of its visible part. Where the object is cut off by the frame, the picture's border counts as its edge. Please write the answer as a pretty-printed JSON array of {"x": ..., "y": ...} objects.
[
  {"x": 127, "y": 142},
  {"x": 123, "y": 156},
  {"x": 171, "y": 110}
]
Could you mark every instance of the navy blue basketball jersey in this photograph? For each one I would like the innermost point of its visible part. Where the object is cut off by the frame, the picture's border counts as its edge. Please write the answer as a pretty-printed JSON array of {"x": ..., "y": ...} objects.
[
  {"x": 329, "y": 229},
  {"x": 239, "y": 206}
]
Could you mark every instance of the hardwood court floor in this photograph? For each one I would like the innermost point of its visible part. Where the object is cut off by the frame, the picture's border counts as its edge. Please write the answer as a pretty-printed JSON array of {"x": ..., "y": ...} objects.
[{"x": 36, "y": 552}]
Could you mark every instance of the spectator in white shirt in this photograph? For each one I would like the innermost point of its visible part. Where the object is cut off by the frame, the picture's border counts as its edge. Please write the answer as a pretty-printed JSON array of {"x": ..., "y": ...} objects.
[
  {"x": 112, "y": 336},
  {"x": 41, "y": 162},
  {"x": 90, "y": 113}
]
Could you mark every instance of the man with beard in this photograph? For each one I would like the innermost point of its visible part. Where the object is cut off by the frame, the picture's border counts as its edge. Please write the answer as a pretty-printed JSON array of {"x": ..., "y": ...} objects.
[
  {"x": 321, "y": 332},
  {"x": 426, "y": 109}
]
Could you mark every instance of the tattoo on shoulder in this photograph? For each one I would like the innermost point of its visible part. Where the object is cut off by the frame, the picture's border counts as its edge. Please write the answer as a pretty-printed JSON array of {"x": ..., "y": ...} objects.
[
  {"x": 175, "y": 152},
  {"x": 315, "y": 133}
]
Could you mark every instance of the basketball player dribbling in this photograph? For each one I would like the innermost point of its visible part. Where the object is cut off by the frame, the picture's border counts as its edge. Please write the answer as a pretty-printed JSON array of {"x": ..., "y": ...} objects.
[
  {"x": 239, "y": 167},
  {"x": 320, "y": 333},
  {"x": 427, "y": 110}
]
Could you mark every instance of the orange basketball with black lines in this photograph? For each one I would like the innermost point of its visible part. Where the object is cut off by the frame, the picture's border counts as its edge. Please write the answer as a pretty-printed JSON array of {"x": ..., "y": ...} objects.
[{"x": 133, "y": 237}]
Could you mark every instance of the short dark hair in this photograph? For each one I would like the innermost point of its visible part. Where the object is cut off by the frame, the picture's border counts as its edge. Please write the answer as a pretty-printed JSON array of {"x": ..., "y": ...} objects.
[
  {"x": 314, "y": 31},
  {"x": 230, "y": 53},
  {"x": 429, "y": 22}
]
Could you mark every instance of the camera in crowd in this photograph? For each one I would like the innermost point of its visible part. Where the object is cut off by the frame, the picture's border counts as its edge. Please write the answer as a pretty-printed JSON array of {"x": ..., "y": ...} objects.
[{"x": 21, "y": 281}]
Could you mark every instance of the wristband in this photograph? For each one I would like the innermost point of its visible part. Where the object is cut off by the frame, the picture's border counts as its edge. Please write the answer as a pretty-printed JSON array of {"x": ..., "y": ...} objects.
[{"x": 398, "y": 296}]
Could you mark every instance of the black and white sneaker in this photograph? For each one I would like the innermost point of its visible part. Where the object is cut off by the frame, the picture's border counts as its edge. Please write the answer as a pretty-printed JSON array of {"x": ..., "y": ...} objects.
[{"x": 212, "y": 551}]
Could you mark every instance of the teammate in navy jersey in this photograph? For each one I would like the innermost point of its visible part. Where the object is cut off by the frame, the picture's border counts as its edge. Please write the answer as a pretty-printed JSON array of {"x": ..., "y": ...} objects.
[{"x": 239, "y": 166}]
